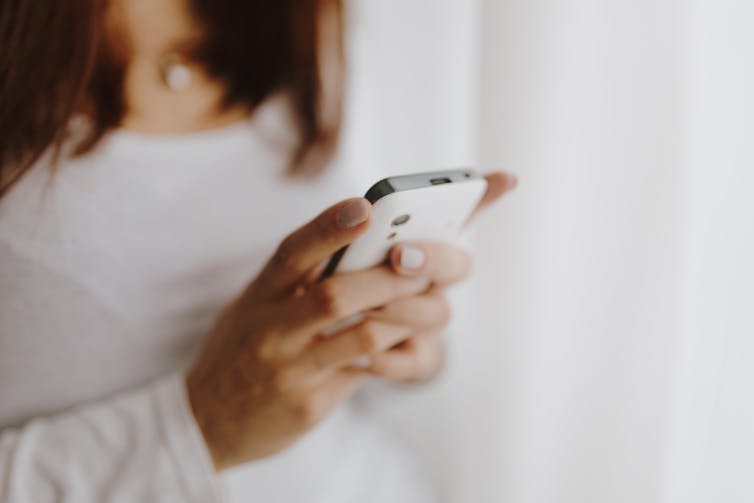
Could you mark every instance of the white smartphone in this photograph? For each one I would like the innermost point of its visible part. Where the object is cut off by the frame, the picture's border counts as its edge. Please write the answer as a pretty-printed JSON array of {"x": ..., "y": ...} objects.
[{"x": 431, "y": 206}]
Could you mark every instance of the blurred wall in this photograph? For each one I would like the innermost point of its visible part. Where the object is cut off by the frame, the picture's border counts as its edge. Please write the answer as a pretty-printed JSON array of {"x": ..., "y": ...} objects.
[{"x": 603, "y": 350}]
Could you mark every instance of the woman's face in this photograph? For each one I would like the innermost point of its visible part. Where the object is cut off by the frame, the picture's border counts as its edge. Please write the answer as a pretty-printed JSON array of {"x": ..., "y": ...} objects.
[
  {"x": 150, "y": 35},
  {"x": 237, "y": 54}
]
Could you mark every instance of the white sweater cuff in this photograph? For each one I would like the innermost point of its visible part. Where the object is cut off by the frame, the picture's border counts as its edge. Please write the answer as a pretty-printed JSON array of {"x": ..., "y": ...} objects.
[{"x": 185, "y": 442}]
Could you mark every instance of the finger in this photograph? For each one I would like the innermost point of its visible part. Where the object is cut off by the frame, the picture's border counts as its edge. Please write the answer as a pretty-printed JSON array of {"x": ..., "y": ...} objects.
[
  {"x": 443, "y": 263},
  {"x": 313, "y": 402},
  {"x": 342, "y": 296},
  {"x": 368, "y": 338},
  {"x": 288, "y": 325},
  {"x": 428, "y": 311},
  {"x": 420, "y": 357},
  {"x": 342, "y": 383},
  {"x": 307, "y": 247},
  {"x": 498, "y": 184}
]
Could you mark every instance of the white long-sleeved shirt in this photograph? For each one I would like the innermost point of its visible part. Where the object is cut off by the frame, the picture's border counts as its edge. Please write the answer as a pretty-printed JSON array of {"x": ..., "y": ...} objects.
[{"x": 112, "y": 271}]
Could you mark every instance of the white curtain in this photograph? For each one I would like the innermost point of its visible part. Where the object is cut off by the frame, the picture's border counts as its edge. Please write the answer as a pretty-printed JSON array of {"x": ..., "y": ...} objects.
[{"x": 604, "y": 349}]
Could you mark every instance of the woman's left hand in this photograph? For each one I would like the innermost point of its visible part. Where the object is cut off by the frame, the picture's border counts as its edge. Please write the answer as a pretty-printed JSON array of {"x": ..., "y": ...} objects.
[{"x": 421, "y": 357}]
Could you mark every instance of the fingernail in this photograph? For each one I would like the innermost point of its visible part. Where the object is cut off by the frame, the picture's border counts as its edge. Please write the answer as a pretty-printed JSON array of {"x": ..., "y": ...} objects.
[
  {"x": 353, "y": 214},
  {"x": 513, "y": 182},
  {"x": 412, "y": 257}
]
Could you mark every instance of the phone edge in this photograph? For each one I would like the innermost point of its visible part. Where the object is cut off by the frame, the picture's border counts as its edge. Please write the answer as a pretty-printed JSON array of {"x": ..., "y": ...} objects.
[{"x": 384, "y": 188}]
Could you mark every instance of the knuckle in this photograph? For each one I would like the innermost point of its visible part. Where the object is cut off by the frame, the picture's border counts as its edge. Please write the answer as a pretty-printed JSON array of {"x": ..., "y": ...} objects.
[
  {"x": 309, "y": 409},
  {"x": 328, "y": 299},
  {"x": 283, "y": 379},
  {"x": 379, "y": 367},
  {"x": 424, "y": 361},
  {"x": 266, "y": 346},
  {"x": 422, "y": 367},
  {"x": 420, "y": 362},
  {"x": 429, "y": 357},
  {"x": 444, "y": 310},
  {"x": 368, "y": 337},
  {"x": 283, "y": 258}
]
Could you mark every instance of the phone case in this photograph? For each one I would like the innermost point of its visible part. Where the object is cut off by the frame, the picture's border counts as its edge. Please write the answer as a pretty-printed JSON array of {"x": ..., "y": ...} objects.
[{"x": 435, "y": 213}]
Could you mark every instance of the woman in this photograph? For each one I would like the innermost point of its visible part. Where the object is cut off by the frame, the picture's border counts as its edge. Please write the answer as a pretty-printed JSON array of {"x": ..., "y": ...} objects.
[{"x": 153, "y": 154}]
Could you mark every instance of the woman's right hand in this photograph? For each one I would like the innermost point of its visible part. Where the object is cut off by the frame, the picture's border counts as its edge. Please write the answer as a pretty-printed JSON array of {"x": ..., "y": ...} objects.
[{"x": 266, "y": 375}]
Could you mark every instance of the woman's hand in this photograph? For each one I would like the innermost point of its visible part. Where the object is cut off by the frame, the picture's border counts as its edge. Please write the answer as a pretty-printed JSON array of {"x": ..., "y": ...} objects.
[
  {"x": 265, "y": 375},
  {"x": 421, "y": 357}
]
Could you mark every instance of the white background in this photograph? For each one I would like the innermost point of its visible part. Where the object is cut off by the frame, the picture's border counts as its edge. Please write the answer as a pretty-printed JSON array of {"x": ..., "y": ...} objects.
[{"x": 603, "y": 350}]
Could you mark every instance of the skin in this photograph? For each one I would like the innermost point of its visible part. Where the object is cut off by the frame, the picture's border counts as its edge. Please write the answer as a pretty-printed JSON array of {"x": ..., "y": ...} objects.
[
  {"x": 148, "y": 29},
  {"x": 266, "y": 375}
]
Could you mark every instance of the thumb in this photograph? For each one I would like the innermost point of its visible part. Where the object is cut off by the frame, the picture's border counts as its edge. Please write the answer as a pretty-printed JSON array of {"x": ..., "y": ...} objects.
[{"x": 309, "y": 245}]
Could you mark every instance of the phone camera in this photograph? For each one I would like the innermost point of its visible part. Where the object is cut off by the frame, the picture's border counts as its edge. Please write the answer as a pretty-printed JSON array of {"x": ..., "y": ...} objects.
[{"x": 401, "y": 220}]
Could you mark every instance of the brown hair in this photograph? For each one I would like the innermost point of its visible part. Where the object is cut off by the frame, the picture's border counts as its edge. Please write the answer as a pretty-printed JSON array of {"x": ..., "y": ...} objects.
[{"x": 56, "y": 61}]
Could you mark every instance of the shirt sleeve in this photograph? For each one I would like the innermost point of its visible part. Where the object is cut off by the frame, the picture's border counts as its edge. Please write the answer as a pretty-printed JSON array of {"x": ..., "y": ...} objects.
[{"x": 143, "y": 445}]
